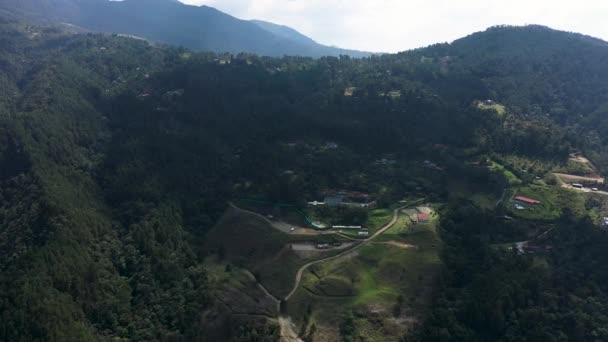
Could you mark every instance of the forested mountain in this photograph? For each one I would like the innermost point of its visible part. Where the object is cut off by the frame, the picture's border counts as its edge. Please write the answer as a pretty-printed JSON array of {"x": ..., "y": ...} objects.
[
  {"x": 117, "y": 157},
  {"x": 171, "y": 22}
]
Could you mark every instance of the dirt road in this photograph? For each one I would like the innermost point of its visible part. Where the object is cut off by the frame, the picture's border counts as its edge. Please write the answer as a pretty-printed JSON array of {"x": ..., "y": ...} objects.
[
  {"x": 355, "y": 248},
  {"x": 283, "y": 226},
  {"x": 288, "y": 333},
  {"x": 574, "y": 178}
]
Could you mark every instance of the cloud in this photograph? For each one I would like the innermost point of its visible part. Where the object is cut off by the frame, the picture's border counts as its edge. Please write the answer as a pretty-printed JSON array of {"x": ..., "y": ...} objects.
[{"x": 396, "y": 25}]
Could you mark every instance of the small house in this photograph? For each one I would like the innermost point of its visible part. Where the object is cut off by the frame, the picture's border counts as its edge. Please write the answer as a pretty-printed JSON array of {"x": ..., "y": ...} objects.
[
  {"x": 424, "y": 218},
  {"x": 323, "y": 246},
  {"x": 350, "y": 91}
]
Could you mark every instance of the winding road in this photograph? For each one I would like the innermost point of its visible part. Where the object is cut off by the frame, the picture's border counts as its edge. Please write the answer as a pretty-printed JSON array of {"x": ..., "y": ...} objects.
[
  {"x": 339, "y": 255},
  {"x": 287, "y": 332}
]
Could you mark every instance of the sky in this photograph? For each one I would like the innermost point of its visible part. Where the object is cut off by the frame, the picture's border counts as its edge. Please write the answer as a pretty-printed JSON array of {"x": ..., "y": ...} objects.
[{"x": 398, "y": 25}]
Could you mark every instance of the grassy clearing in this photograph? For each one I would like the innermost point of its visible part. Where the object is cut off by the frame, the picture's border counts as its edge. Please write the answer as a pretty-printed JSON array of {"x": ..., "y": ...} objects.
[
  {"x": 250, "y": 242},
  {"x": 377, "y": 218},
  {"x": 500, "y": 110},
  {"x": 370, "y": 281},
  {"x": 575, "y": 167},
  {"x": 511, "y": 178},
  {"x": 555, "y": 201},
  {"x": 402, "y": 226}
]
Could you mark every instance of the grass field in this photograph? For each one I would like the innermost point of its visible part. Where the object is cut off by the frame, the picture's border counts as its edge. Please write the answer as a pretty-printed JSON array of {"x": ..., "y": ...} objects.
[
  {"x": 370, "y": 281},
  {"x": 379, "y": 217},
  {"x": 555, "y": 201}
]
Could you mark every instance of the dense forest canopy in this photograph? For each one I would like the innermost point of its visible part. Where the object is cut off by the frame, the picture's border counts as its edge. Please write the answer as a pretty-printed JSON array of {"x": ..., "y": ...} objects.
[{"x": 117, "y": 157}]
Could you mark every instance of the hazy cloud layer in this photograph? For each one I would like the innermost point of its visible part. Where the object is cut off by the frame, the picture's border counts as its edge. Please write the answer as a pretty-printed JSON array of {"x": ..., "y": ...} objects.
[{"x": 395, "y": 25}]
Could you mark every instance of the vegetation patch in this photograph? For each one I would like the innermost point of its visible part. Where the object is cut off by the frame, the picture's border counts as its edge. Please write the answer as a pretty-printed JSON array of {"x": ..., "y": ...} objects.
[{"x": 500, "y": 110}]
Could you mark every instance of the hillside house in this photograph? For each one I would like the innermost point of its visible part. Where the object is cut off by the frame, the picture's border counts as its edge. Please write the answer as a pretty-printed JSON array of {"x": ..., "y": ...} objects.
[
  {"x": 394, "y": 94},
  {"x": 315, "y": 203},
  {"x": 605, "y": 223},
  {"x": 424, "y": 218},
  {"x": 350, "y": 91}
]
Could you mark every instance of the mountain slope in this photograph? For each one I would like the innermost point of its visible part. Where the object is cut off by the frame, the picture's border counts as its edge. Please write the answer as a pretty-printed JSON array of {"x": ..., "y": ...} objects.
[
  {"x": 284, "y": 31},
  {"x": 168, "y": 21},
  {"x": 117, "y": 158}
]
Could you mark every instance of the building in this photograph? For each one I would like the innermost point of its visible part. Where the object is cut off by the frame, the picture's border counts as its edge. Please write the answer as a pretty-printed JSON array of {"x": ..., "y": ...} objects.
[
  {"x": 424, "y": 218},
  {"x": 315, "y": 203},
  {"x": 527, "y": 200},
  {"x": 605, "y": 223},
  {"x": 363, "y": 233},
  {"x": 577, "y": 185},
  {"x": 350, "y": 91},
  {"x": 346, "y": 227},
  {"x": 323, "y": 246}
]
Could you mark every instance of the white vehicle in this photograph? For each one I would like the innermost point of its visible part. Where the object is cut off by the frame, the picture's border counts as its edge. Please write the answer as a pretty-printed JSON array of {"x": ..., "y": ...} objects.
[
  {"x": 594, "y": 189},
  {"x": 292, "y": 229}
]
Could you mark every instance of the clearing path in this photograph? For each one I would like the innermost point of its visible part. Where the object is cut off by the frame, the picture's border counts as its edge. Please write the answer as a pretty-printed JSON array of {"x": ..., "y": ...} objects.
[
  {"x": 502, "y": 198},
  {"x": 277, "y": 300},
  {"x": 312, "y": 247},
  {"x": 288, "y": 333},
  {"x": 397, "y": 244},
  {"x": 574, "y": 178}
]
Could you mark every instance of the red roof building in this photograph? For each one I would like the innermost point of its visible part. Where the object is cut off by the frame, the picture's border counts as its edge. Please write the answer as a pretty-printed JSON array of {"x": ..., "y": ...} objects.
[
  {"x": 422, "y": 217},
  {"x": 527, "y": 200}
]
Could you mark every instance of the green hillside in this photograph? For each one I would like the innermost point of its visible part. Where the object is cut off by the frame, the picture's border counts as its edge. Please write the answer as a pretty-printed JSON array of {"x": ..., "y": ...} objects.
[{"x": 118, "y": 159}]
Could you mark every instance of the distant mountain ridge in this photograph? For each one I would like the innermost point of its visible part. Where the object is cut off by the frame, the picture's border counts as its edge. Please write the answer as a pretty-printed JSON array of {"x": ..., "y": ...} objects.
[{"x": 169, "y": 21}]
